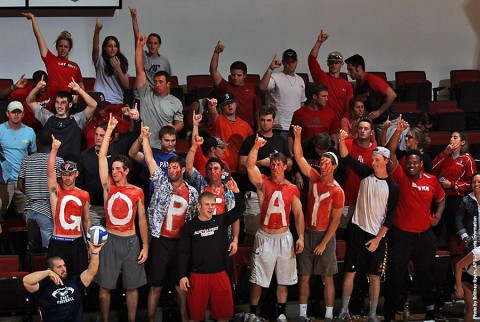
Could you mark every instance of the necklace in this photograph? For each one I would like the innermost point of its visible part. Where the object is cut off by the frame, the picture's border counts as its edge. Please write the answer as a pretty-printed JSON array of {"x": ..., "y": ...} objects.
[{"x": 288, "y": 78}]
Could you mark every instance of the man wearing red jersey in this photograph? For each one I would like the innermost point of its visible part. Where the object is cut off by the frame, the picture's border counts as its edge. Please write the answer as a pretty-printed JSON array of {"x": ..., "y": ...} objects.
[
  {"x": 411, "y": 236},
  {"x": 316, "y": 116},
  {"x": 274, "y": 246},
  {"x": 325, "y": 206},
  {"x": 341, "y": 91},
  {"x": 70, "y": 214},
  {"x": 122, "y": 252}
]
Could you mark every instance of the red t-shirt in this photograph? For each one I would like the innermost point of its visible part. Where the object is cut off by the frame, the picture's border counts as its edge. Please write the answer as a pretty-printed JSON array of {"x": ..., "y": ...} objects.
[
  {"x": 177, "y": 210},
  {"x": 60, "y": 72},
  {"x": 378, "y": 85},
  {"x": 277, "y": 203},
  {"x": 219, "y": 199},
  {"x": 89, "y": 129},
  {"x": 313, "y": 122},
  {"x": 121, "y": 207},
  {"x": 321, "y": 200},
  {"x": 248, "y": 101},
  {"x": 233, "y": 133},
  {"x": 340, "y": 91},
  {"x": 46, "y": 100},
  {"x": 416, "y": 195},
  {"x": 69, "y": 211},
  {"x": 351, "y": 183}
]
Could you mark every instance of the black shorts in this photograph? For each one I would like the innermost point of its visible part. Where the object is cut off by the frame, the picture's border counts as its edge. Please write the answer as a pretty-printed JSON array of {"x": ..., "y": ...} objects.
[
  {"x": 358, "y": 258},
  {"x": 162, "y": 263},
  {"x": 73, "y": 251}
]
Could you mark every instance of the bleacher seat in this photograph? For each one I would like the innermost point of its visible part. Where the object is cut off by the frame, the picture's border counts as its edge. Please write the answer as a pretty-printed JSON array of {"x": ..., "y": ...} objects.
[{"x": 447, "y": 116}]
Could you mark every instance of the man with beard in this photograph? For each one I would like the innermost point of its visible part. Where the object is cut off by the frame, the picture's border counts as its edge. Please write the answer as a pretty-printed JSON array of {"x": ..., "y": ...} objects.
[
  {"x": 173, "y": 203},
  {"x": 60, "y": 296}
]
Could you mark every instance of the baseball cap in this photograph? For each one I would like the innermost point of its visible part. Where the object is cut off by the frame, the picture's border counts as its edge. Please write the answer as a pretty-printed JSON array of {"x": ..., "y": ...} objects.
[
  {"x": 226, "y": 98},
  {"x": 289, "y": 54},
  {"x": 335, "y": 56},
  {"x": 68, "y": 166},
  {"x": 383, "y": 151},
  {"x": 213, "y": 142},
  {"x": 15, "y": 105},
  {"x": 100, "y": 99}
]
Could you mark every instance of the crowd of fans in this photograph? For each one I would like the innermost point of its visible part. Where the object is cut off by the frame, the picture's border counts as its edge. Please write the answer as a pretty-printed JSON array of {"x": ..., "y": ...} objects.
[{"x": 331, "y": 157}]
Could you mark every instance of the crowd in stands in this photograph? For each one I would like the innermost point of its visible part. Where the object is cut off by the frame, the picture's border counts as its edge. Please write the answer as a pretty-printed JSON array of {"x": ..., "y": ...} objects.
[{"x": 316, "y": 163}]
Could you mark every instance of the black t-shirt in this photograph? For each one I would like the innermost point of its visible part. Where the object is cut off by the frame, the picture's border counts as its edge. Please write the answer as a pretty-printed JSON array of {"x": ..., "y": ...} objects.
[
  {"x": 61, "y": 303},
  {"x": 204, "y": 245}
]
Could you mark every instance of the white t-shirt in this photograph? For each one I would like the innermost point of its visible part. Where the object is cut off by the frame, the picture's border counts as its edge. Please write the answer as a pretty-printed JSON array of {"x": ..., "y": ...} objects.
[
  {"x": 286, "y": 93},
  {"x": 108, "y": 85}
]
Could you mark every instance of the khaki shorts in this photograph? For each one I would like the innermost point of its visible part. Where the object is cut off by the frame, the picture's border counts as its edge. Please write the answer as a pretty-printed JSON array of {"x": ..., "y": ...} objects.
[
  {"x": 311, "y": 264},
  {"x": 273, "y": 253}
]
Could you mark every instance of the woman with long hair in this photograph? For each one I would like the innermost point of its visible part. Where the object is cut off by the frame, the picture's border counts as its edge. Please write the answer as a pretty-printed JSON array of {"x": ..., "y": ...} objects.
[
  {"x": 454, "y": 168},
  {"x": 60, "y": 69},
  {"x": 111, "y": 67}
]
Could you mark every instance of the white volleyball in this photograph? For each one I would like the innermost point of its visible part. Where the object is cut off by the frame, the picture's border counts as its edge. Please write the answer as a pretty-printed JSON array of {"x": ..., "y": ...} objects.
[{"x": 97, "y": 235}]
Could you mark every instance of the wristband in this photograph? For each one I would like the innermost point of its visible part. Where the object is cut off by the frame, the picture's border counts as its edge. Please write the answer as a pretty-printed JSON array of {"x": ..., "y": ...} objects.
[
  {"x": 270, "y": 68},
  {"x": 92, "y": 253},
  {"x": 13, "y": 87}
]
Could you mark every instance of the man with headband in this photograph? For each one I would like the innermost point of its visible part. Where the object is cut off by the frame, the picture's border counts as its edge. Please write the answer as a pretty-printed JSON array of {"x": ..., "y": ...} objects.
[{"x": 324, "y": 210}]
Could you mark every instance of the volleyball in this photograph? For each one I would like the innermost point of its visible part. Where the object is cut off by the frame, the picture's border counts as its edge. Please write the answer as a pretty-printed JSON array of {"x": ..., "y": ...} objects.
[{"x": 97, "y": 235}]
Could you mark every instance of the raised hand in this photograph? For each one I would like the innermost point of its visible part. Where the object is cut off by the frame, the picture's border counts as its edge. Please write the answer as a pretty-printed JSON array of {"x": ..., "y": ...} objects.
[
  {"x": 55, "y": 143},
  {"x": 41, "y": 84},
  {"x": 197, "y": 118},
  {"x": 133, "y": 12},
  {"x": 141, "y": 41},
  {"x": 145, "y": 131},
  {"x": 343, "y": 135},
  {"x": 322, "y": 37},
  {"x": 260, "y": 142},
  {"x": 112, "y": 123},
  {"x": 275, "y": 62},
  {"x": 28, "y": 15},
  {"x": 219, "y": 47},
  {"x": 74, "y": 86},
  {"x": 297, "y": 130},
  {"x": 98, "y": 26},
  {"x": 212, "y": 102},
  {"x": 22, "y": 82}
]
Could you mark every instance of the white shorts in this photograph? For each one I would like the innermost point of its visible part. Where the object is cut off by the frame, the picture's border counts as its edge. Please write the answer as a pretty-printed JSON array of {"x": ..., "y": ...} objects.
[
  {"x": 273, "y": 252},
  {"x": 252, "y": 213}
]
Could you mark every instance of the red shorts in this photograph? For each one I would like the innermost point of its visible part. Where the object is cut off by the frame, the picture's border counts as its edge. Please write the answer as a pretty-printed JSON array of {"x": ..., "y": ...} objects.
[{"x": 213, "y": 289}]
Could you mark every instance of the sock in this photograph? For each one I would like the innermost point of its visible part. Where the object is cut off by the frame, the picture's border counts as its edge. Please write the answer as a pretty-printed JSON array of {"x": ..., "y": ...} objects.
[
  {"x": 373, "y": 308},
  {"x": 430, "y": 307},
  {"x": 281, "y": 308},
  {"x": 253, "y": 308},
  {"x": 303, "y": 310},
  {"x": 345, "y": 300},
  {"x": 329, "y": 312}
]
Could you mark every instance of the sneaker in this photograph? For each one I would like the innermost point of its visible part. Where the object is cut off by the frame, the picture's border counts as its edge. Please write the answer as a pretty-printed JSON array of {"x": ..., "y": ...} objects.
[
  {"x": 343, "y": 317},
  {"x": 282, "y": 318},
  {"x": 373, "y": 318},
  {"x": 435, "y": 316},
  {"x": 306, "y": 319}
]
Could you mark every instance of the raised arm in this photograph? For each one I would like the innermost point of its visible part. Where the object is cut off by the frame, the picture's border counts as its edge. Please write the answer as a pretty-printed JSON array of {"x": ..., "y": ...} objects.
[
  {"x": 51, "y": 173},
  {"x": 30, "y": 282},
  {"x": 392, "y": 144},
  {"x": 91, "y": 103},
  {"x": 134, "y": 151},
  {"x": 102, "y": 156},
  {"x": 217, "y": 77},
  {"x": 342, "y": 146},
  {"x": 5, "y": 92},
  {"x": 87, "y": 275},
  {"x": 316, "y": 48},
  {"x": 141, "y": 77},
  {"x": 253, "y": 171},
  {"x": 190, "y": 158},
  {"x": 42, "y": 45},
  {"x": 298, "y": 152},
  {"x": 147, "y": 150},
  {"x": 32, "y": 96},
  {"x": 96, "y": 41},
  {"x": 212, "y": 111},
  {"x": 263, "y": 85},
  {"x": 136, "y": 29}
]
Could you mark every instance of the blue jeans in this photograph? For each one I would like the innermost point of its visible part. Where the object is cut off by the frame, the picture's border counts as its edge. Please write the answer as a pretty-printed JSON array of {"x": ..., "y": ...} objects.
[{"x": 44, "y": 223}]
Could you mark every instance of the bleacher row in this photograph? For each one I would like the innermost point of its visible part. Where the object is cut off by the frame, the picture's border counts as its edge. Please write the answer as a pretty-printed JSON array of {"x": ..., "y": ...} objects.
[{"x": 414, "y": 95}]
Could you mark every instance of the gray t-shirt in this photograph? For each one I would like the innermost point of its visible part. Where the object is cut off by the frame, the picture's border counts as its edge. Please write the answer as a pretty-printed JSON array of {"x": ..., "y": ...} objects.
[{"x": 158, "y": 111}]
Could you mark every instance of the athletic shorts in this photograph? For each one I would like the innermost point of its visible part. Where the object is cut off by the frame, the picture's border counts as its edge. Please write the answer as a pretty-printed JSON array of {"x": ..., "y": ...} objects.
[
  {"x": 358, "y": 258},
  {"x": 162, "y": 263},
  {"x": 273, "y": 252},
  {"x": 466, "y": 277},
  {"x": 73, "y": 251},
  {"x": 119, "y": 254},
  {"x": 213, "y": 289},
  {"x": 311, "y": 264}
]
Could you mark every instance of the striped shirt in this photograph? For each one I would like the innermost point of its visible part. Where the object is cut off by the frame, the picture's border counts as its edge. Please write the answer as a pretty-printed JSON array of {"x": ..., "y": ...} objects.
[{"x": 34, "y": 173}]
